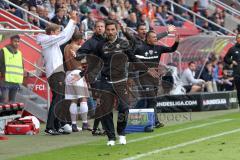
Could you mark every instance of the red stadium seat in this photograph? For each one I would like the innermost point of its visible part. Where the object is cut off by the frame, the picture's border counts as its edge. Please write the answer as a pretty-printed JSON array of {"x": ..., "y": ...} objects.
[
  {"x": 1, "y": 107},
  {"x": 14, "y": 106},
  {"x": 7, "y": 107}
]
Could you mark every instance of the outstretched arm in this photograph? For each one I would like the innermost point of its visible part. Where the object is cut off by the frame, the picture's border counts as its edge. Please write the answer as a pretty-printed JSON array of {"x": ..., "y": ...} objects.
[
  {"x": 164, "y": 49},
  {"x": 170, "y": 29},
  {"x": 62, "y": 37}
]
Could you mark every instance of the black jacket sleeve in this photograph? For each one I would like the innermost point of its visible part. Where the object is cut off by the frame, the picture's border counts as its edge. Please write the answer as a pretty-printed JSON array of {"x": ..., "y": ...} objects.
[
  {"x": 228, "y": 57},
  {"x": 128, "y": 35},
  {"x": 135, "y": 63},
  {"x": 164, "y": 49},
  {"x": 162, "y": 35},
  {"x": 95, "y": 63}
]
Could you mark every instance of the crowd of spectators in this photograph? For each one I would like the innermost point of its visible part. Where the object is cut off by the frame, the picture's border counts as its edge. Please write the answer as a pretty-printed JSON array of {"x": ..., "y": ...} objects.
[
  {"x": 129, "y": 12},
  {"x": 211, "y": 76}
]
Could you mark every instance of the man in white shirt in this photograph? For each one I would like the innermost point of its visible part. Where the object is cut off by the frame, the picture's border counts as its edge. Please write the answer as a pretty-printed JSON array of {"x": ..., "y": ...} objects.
[
  {"x": 189, "y": 82},
  {"x": 53, "y": 58}
]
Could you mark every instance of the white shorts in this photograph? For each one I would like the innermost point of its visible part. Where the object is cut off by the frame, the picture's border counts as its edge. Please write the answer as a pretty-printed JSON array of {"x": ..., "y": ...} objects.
[{"x": 76, "y": 90}]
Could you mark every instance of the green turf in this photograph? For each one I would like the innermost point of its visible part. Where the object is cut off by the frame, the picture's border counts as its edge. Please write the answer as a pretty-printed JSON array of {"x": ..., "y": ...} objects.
[
  {"x": 224, "y": 148},
  {"x": 97, "y": 149}
]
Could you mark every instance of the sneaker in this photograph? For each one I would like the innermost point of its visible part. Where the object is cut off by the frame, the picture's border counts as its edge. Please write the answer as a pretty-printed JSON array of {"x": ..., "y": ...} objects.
[
  {"x": 61, "y": 131},
  {"x": 122, "y": 140},
  {"x": 67, "y": 128},
  {"x": 86, "y": 126},
  {"x": 159, "y": 125},
  {"x": 95, "y": 132},
  {"x": 111, "y": 143},
  {"x": 51, "y": 132},
  {"x": 75, "y": 128},
  {"x": 98, "y": 132}
]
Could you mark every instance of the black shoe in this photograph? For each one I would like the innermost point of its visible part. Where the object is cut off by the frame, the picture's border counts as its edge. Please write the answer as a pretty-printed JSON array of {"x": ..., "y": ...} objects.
[
  {"x": 51, "y": 132},
  {"x": 75, "y": 128},
  {"x": 61, "y": 131},
  {"x": 86, "y": 126},
  {"x": 98, "y": 132},
  {"x": 159, "y": 125}
]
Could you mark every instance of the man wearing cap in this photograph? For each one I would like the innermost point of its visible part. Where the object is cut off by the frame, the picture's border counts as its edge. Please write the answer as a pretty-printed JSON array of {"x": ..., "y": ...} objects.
[
  {"x": 11, "y": 70},
  {"x": 233, "y": 57}
]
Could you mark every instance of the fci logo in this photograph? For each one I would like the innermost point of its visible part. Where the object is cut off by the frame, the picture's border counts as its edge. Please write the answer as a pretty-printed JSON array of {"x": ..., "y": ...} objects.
[{"x": 40, "y": 87}]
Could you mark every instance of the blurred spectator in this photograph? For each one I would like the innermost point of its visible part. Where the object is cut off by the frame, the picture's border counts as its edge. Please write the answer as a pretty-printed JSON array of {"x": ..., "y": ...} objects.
[
  {"x": 122, "y": 12},
  {"x": 237, "y": 30},
  {"x": 112, "y": 16},
  {"x": 114, "y": 5},
  {"x": 128, "y": 6},
  {"x": 195, "y": 7},
  {"x": 60, "y": 18},
  {"x": 88, "y": 23},
  {"x": 150, "y": 11},
  {"x": 50, "y": 5},
  {"x": 189, "y": 82},
  {"x": 25, "y": 14},
  {"x": 203, "y": 4},
  {"x": 167, "y": 18},
  {"x": 132, "y": 21},
  {"x": 3, "y": 5},
  {"x": 206, "y": 26},
  {"x": 145, "y": 20},
  {"x": 102, "y": 6},
  {"x": 18, "y": 2},
  {"x": 11, "y": 70},
  {"x": 35, "y": 2},
  {"x": 34, "y": 21},
  {"x": 138, "y": 10},
  {"x": 227, "y": 83},
  {"x": 159, "y": 16},
  {"x": 15, "y": 11},
  {"x": 207, "y": 76},
  {"x": 179, "y": 10},
  {"x": 43, "y": 13}
]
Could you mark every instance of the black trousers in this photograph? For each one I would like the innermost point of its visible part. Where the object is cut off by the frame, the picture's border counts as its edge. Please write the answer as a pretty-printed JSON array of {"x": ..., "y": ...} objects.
[
  {"x": 237, "y": 84},
  {"x": 96, "y": 91},
  {"x": 113, "y": 95},
  {"x": 57, "y": 84},
  {"x": 149, "y": 90}
]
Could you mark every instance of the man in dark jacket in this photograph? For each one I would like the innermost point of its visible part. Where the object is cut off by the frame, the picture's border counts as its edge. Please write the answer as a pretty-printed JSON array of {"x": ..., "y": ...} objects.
[
  {"x": 94, "y": 63},
  {"x": 150, "y": 53},
  {"x": 137, "y": 40},
  {"x": 115, "y": 54},
  {"x": 233, "y": 57}
]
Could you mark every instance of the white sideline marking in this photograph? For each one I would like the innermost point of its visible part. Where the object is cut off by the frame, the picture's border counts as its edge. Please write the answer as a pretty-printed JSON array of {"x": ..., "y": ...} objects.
[
  {"x": 178, "y": 130},
  {"x": 182, "y": 144},
  {"x": 172, "y": 132}
]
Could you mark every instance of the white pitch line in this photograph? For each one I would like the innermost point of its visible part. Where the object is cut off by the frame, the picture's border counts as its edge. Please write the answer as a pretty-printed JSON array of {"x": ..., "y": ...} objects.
[
  {"x": 182, "y": 144},
  {"x": 178, "y": 130}
]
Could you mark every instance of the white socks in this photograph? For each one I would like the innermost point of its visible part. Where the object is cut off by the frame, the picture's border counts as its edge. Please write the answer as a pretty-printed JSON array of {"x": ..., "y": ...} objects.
[
  {"x": 74, "y": 112},
  {"x": 84, "y": 111}
]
